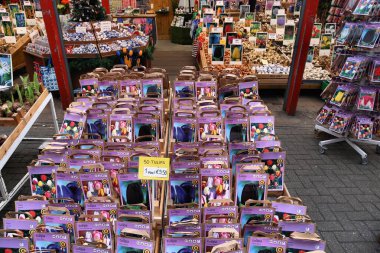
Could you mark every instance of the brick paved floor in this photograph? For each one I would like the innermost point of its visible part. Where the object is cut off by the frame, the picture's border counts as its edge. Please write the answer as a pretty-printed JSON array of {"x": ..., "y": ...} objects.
[{"x": 343, "y": 197}]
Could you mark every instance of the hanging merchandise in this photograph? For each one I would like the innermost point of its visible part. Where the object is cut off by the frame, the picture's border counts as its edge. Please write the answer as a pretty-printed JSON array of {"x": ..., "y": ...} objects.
[{"x": 352, "y": 98}]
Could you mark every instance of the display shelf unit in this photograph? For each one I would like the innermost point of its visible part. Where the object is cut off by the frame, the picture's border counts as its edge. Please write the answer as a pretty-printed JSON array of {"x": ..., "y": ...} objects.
[
  {"x": 16, "y": 137},
  {"x": 350, "y": 141}
]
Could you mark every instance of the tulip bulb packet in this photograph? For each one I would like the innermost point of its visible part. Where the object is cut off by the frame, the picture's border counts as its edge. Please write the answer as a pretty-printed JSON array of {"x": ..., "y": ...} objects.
[
  {"x": 250, "y": 186},
  {"x": 95, "y": 232},
  {"x": 268, "y": 146},
  {"x": 220, "y": 230},
  {"x": 152, "y": 88},
  {"x": 130, "y": 215},
  {"x": 130, "y": 88},
  {"x": 305, "y": 242},
  {"x": 89, "y": 87},
  {"x": 132, "y": 245},
  {"x": 184, "y": 217},
  {"x": 223, "y": 245},
  {"x": 108, "y": 86},
  {"x": 120, "y": 128},
  {"x": 220, "y": 214},
  {"x": 42, "y": 181},
  {"x": 89, "y": 249},
  {"x": 250, "y": 229},
  {"x": 14, "y": 245},
  {"x": 97, "y": 124},
  {"x": 184, "y": 89},
  {"x": 275, "y": 167},
  {"x": 288, "y": 227},
  {"x": 266, "y": 244},
  {"x": 58, "y": 242},
  {"x": 96, "y": 184},
  {"x": 205, "y": 89},
  {"x": 73, "y": 124},
  {"x": 66, "y": 222},
  {"x": 145, "y": 129},
  {"x": 74, "y": 208},
  {"x": 236, "y": 127},
  {"x": 261, "y": 125},
  {"x": 194, "y": 245},
  {"x": 133, "y": 191},
  {"x": 256, "y": 215},
  {"x": 120, "y": 225},
  {"x": 27, "y": 227},
  {"x": 69, "y": 186},
  {"x": 362, "y": 128},
  {"x": 210, "y": 126},
  {"x": 341, "y": 122},
  {"x": 193, "y": 231},
  {"x": 366, "y": 98},
  {"x": 248, "y": 89},
  {"x": 375, "y": 73},
  {"x": 286, "y": 211},
  {"x": 108, "y": 211},
  {"x": 33, "y": 207},
  {"x": 184, "y": 128},
  {"x": 184, "y": 188},
  {"x": 216, "y": 185},
  {"x": 326, "y": 114}
]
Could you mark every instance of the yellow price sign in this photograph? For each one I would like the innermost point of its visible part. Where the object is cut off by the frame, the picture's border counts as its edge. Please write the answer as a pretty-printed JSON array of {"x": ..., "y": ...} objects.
[{"x": 154, "y": 168}]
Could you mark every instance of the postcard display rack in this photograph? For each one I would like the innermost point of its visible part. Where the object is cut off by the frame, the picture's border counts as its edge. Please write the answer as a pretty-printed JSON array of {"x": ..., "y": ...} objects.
[
  {"x": 227, "y": 168},
  {"x": 351, "y": 113}
]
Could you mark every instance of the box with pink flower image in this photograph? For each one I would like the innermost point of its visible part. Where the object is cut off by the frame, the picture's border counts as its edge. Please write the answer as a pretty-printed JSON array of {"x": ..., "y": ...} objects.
[
  {"x": 120, "y": 128},
  {"x": 215, "y": 185},
  {"x": 220, "y": 214},
  {"x": 205, "y": 89},
  {"x": 95, "y": 231},
  {"x": 107, "y": 210},
  {"x": 89, "y": 87},
  {"x": 96, "y": 184},
  {"x": 220, "y": 230},
  {"x": 275, "y": 167},
  {"x": 260, "y": 126},
  {"x": 130, "y": 88},
  {"x": 33, "y": 207}
]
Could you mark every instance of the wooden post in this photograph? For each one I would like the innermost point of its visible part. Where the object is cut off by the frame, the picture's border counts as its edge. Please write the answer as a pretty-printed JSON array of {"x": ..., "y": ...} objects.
[
  {"x": 301, "y": 47},
  {"x": 57, "y": 48}
]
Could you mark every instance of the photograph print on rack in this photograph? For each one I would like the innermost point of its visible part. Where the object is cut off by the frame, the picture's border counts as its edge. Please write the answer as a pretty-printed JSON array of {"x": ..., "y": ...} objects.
[
  {"x": 330, "y": 28},
  {"x": 249, "y": 18},
  {"x": 289, "y": 34},
  {"x": 261, "y": 41},
  {"x": 370, "y": 36},
  {"x": 255, "y": 28},
  {"x": 316, "y": 34},
  {"x": 364, "y": 7},
  {"x": 325, "y": 47},
  {"x": 6, "y": 71},
  {"x": 310, "y": 55},
  {"x": 214, "y": 38},
  {"x": 229, "y": 39},
  {"x": 236, "y": 54},
  {"x": 244, "y": 9},
  {"x": 228, "y": 27},
  {"x": 217, "y": 54}
]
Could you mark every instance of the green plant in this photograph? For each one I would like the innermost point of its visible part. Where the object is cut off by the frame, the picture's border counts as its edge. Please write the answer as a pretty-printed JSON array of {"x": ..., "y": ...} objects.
[{"x": 148, "y": 52}]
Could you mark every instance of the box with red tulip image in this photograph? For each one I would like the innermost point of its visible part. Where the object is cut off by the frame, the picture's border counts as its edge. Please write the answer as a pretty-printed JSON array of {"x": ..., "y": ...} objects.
[
  {"x": 96, "y": 232},
  {"x": 108, "y": 211},
  {"x": 14, "y": 245},
  {"x": 42, "y": 181}
]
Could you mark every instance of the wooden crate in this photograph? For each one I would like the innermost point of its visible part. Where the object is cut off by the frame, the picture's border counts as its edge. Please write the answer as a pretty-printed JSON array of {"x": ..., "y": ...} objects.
[
  {"x": 14, "y": 120},
  {"x": 23, "y": 122},
  {"x": 17, "y": 52}
]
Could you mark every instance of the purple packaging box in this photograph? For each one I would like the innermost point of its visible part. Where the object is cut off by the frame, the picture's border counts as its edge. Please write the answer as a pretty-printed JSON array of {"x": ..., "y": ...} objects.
[
  {"x": 93, "y": 154},
  {"x": 249, "y": 229},
  {"x": 275, "y": 167},
  {"x": 297, "y": 245},
  {"x": 268, "y": 146},
  {"x": 89, "y": 87},
  {"x": 42, "y": 181},
  {"x": 257, "y": 244},
  {"x": 26, "y": 226},
  {"x": 181, "y": 167},
  {"x": 95, "y": 232},
  {"x": 89, "y": 249},
  {"x": 220, "y": 214},
  {"x": 152, "y": 88},
  {"x": 120, "y": 225},
  {"x": 205, "y": 89},
  {"x": 58, "y": 159},
  {"x": 69, "y": 186},
  {"x": 33, "y": 206},
  {"x": 130, "y": 87},
  {"x": 184, "y": 89},
  {"x": 289, "y": 210},
  {"x": 236, "y": 128},
  {"x": 129, "y": 245},
  {"x": 146, "y": 214},
  {"x": 59, "y": 242},
  {"x": 96, "y": 123},
  {"x": 250, "y": 186},
  {"x": 115, "y": 156},
  {"x": 128, "y": 183},
  {"x": 106, "y": 210},
  {"x": 14, "y": 244},
  {"x": 183, "y": 245},
  {"x": 73, "y": 125},
  {"x": 185, "y": 188},
  {"x": 289, "y": 227},
  {"x": 214, "y": 162},
  {"x": 216, "y": 184},
  {"x": 260, "y": 126},
  {"x": 256, "y": 215},
  {"x": 120, "y": 125},
  {"x": 96, "y": 184},
  {"x": 66, "y": 222},
  {"x": 180, "y": 217},
  {"x": 234, "y": 226},
  {"x": 87, "y": 144},
  {"x": 74, "y": 208},
  {"x": 184, "y": 231},
  {"x": 212, "y": 242},
  {"x": 184, "y": 129},
  {"x": 248, "y": 89},
  {"x": 77, "y": 164},
  {"x": 210, "y": 126},
  {"x": 109, "y": 86},
  {"x": 143, "y": 128}
]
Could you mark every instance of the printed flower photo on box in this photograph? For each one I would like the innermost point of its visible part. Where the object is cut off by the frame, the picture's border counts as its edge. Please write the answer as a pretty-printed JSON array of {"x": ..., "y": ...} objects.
[
  {"x": 255, "y": 28},
  {"x": 184, "y": 91},
  {"x": 316, "y": 32},
  {"x": 369, "y": 37},
  {"x": 69, "y": 189},
  {"x": 145, "y": 130},
  {"x": 249, "y": 18},
  {"x": 58, "y": 247},
  {"x": 261, "y": 40},
  {"x": 261, "y": 129},
  {"x": 67, "y": 228},
  {"x": 376, "y": 72},
  {"x": 184, "y": 132},
  {"x": 247, "y": 190},
  {"x": 152, "y": 90},
  {"x": 275, "y": 168},
  {"x": 326, "y": 40},
  {"x": 121, "y": 128},
  {"x": 349, "y": 69},
  {"x": 96, "y": 188},
  {"x": 289, "y": 32},
  {"x": 130, "y": 89},
  {"x": 236, "y": 132},
  {"x": 71, "y": 127},
  {"x": 215, "y": 188},
  {"x": 43, "y": 185},
  {"x": 134, "y": 192},
  {"x": 102, "y": 236},
  {"x": 97, "y": 126},
  {"x": 364, "y": 7}
]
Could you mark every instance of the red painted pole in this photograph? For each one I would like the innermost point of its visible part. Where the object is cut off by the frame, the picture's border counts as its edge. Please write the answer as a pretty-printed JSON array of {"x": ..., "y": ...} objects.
[
  {"x": 57, "y": 48},
  {"x": 305, "y": 27},
  {"x": 106, "y": 5}
]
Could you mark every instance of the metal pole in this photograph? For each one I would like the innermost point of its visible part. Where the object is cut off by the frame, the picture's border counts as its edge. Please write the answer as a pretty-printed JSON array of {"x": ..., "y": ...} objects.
[
  {"x": 301, "y": 47},
  {"x": 57, "y": 48}
]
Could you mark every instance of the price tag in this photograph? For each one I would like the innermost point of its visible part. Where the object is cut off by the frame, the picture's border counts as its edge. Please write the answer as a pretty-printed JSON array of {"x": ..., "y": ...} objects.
[
  {"x": 3, "y": 10},
  {"x": 154, "y": 168},
  {"x": 27, "y": 3},
  {"x": 229, "y": 19},
  {"x": 105, "y": 26},
  {"x": 5, "y": 18},
  {"x": 236, "y": 41},
  {"x": 219, "y": 3},
  {"x": 80, "y": 29},
  {"x": 217, "y": 30},
  {"x": 264, "y": 62},
  {"x": 272, "y": 36}
]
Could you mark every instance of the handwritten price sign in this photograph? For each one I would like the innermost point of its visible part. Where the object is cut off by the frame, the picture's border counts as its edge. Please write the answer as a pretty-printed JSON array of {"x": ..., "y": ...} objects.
[{"x": 154, "y": 168}]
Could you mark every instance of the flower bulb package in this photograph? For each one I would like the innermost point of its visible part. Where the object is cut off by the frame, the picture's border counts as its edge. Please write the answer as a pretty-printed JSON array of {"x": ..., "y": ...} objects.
[
  {"x": 210, "y": 126},
  {"x": 130, "y": 215},
  {"x": 205, "y": 89},
  {"x": 130, "y": 88},
  {"x": 97, "y": 124},
  {"x": 69, "y": 186},
  {"x": 256, "y": 215},
  {"x": 120, "y": 128},
  {"x": 184, "y": 188},
  {"x": 145, "y": 128},
  {"x": 260, "y": 125},
  {"x": 236, "y": 127},
  {"x": 250, "y": 229},
  {"x": 216, "y": 185},
  {"x": 194, "y": 231},
  {"x": 108, "y": 211},
  {"x": 184, "y": 89},
  {"x": 89, "y": 249},
  {"x": 370, "y": 36},
  {"x": 375, "y": 72},
  {"x": 95, "y": 231},
  {"x": 182, "y": 245},
  {"x": 89, "y": 87},
  {"x": 59, "y": 242},
  {"x": 344, "y": 96},
  {"x": 305, "y": 242},
  {"x": 33, "y": 207},
  {"x": 152, "y": 88},
  {"x": 266, "y": 244},
  {"x": 66, "y": 222},
  {"x": 288, "y": 211},
  {"x": 223, "y": 245},
  {"x": 74, "y": 208},
  {"x": 132, "y": 245},
  {"x": 96, "y": 184},
  {"x": 73, "y": 123},
  {"x": 250, "y": 186},
  {"x": 184, "y": 127},
  {"x": 133, "y": 191},
  {"x": 367, "y": 98},
  {"x": 108, "y": 86},
  {"x": 341, "y": 122},
  {"x": 354, "y": 68},
  {"x": 248, "y": 89},
  {"x": 42, "y": 181},
  {"x": 362, "y": 128},
  {"x": 288, "y": 227},
  {"x": 326, "y": 114},
  {"x": 222, "y": 230},
  {"x": 184, "y": 217},
  {"x": 220, "y": 214},
  {"x": 275, "y": 167},
  {"x": 26, "y": 226},
  {"x": 121, "y": 225},
  {"x": 14, "y": 245}
]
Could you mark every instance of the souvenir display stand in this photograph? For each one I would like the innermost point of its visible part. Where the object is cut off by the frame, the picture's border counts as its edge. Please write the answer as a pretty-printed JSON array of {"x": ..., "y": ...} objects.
[
  {"x": 24, "y": 121},
  {"x": 351, "y": 112}
]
